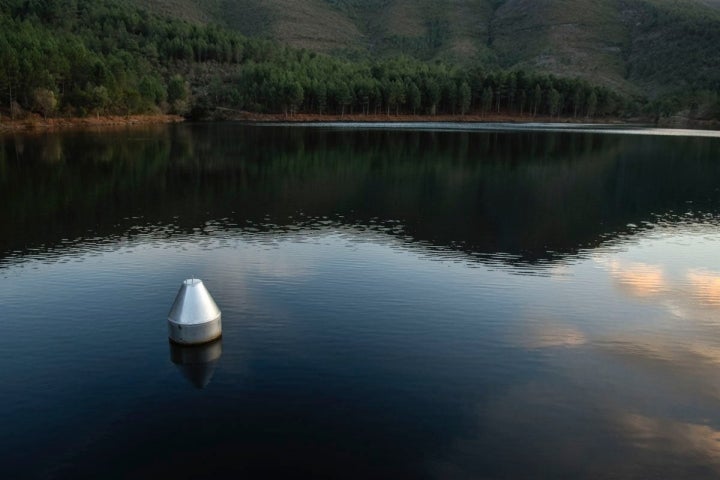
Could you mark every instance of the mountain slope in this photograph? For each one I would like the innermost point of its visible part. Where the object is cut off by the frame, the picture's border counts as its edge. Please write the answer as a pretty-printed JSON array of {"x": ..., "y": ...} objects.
[
  {"x": 105, "y": 56},
  {"x": 674, "y": 45},
  {"x": 636, "y": 46},
  {"x": 565, "y": 37}
]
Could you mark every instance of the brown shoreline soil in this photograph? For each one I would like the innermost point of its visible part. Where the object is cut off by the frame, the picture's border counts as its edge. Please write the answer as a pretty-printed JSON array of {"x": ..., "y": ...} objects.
[
  {"x": 38, "y": 124},
  {"x": 35, "y": 123},
  {"x": 361, "y": 118}
]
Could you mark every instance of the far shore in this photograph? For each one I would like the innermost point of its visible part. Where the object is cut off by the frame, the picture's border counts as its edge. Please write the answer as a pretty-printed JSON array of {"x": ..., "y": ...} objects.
[
  {"x": 678, "y": 121},
  {"x": 409, "y": 118},
  {"x": 38, "y": 124}
]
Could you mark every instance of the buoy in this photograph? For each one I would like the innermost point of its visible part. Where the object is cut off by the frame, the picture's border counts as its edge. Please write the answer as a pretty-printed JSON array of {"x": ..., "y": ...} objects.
[
  {"x": 194, "y": 317},
  {"x": 197, "y": 362}
]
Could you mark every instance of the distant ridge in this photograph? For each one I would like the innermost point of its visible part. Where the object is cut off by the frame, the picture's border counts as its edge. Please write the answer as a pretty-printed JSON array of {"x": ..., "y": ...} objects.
[
  {"x": 636, "y": 46},
  {"x": 637, "y": 60}
]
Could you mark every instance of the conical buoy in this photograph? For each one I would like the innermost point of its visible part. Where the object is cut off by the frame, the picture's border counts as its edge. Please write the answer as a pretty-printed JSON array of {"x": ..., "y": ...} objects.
[{"x": 194, "y": 317}]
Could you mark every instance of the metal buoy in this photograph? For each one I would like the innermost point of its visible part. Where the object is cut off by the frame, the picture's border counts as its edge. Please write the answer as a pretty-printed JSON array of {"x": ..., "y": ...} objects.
[{"x": 194, "y": 317}]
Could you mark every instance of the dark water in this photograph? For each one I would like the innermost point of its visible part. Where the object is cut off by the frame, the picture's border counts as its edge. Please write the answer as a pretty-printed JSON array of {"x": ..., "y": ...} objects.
[{"x": 396, "y": 304}]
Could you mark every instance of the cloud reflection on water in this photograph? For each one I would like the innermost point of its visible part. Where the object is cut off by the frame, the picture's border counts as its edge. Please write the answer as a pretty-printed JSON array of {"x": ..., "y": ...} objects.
[
  {"x": 635, "y": 385},
  {"x": 550, "y": 335},
  {"x": 637, "y": 279},
  {"x": 696, "y": 444},
  {"x": 690, "y": 293},
  {"x": 705, "y": 287}
]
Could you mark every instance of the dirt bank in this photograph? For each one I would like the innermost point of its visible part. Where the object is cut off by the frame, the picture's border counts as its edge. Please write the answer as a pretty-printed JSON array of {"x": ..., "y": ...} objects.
[
  {"x": 36, "y": 123},
  {"x": 360, "y": 118}
]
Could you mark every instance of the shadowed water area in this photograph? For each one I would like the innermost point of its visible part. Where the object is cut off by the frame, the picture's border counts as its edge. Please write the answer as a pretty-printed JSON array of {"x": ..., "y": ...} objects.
[{"x": 397, "y": 303}]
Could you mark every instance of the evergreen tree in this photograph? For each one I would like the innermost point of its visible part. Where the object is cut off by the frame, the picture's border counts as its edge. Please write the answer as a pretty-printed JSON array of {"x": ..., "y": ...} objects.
[
  {"x": 433, "y": 94},
  {"x": 591, "y": 104},
  {"x": 487, "y": 98},
  {"x": 537, "y": 99},
  {"x": 464, "y": 97},
  {"x": 414, "y": 97},
  {"x": 553, "y": 102}
]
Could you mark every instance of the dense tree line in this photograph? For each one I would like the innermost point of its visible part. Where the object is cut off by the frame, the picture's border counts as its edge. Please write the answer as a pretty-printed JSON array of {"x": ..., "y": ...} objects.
[
  {"x": 74, "y": 57},
  {"x": 311, "y": 83}
]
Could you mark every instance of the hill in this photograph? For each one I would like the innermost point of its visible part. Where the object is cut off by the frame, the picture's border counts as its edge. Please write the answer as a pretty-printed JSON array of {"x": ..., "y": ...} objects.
[
  {"x": 651, "y": 47},
  {"x": 102, "y": 57}
]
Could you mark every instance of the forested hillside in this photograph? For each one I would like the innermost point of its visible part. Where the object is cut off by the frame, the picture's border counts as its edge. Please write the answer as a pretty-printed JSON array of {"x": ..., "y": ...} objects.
[
  {"x": 79, "y": 58},
  {"x": 652, "y": 47},
  {"x": 76, "y": 58}
]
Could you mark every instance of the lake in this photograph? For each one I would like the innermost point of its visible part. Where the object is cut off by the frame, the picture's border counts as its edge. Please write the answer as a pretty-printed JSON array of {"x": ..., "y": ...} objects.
[{"x": 430, "y": 301}]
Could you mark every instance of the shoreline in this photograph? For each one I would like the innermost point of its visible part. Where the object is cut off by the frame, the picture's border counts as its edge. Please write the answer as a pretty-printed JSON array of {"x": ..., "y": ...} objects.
[
  {"x": 409, "y": 118},
  {"x": 38, "y": 124},
  {"x": 35, "y": 124}
]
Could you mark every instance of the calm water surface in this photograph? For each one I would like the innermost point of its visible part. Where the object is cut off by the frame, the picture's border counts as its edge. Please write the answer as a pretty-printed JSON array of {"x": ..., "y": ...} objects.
[{"x": 411, "y": 303}]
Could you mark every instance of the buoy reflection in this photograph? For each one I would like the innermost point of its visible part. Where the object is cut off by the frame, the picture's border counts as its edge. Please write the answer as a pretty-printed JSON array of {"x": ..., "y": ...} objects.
[{"x": 197, "y": 362}]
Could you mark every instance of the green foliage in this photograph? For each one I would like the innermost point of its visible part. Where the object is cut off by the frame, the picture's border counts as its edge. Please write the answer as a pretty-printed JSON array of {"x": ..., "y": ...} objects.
[
  {"x": 402, "y": 85},
  {"x": 591, "y": 104},
  {"x": 414, "y": 97},
  {"x": 464, "y": 97},
  {"x": 177, "y": 90},
  {"x": 45, "y": 100},
  {"x": 553, "y": 102},
  {"x": 675, "y": 46},
  {"x": 537, "y": 98},
  {"x": 104, "y": 56},
  {"x": 637, "y": 47},
  {"x": 152, "y": 89},
  {"x": 487, "y": 98}
]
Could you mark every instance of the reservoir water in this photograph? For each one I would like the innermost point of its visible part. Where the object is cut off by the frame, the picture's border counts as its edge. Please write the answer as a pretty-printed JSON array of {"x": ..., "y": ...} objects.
[{"x": 418, "y": 302}]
